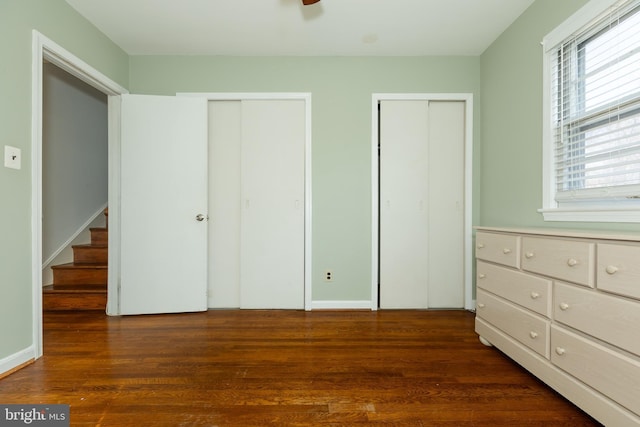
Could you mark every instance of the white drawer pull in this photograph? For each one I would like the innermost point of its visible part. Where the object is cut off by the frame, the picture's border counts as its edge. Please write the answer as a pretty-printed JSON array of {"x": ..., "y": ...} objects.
[
  {"x": 564, "y": 306},
  {"x": 480, "y": 245},
  {"x": 529, "y": 255},
  {"x": 506, "y": 251},
  {"x": 560, "y": 351},
  {"x": 533, "y": 335},
  {"x": 481, "y": 305},
  {"x": 571, "y": 262},
  {"x": 535, "y": 295},
  {"x": 611, "y": 269},
  {"x": 482, "y": 276}
]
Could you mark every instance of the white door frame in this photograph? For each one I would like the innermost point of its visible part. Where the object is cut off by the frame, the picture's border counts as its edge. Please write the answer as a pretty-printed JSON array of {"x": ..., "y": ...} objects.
[
  {"x": 306, "y": 97},
  {"x": 468, "y": 185},
  {"x": 44, "y": 48}
]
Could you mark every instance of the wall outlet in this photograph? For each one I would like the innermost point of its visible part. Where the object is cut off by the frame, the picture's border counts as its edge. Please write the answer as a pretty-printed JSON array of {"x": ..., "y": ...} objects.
[
  {"x": 328, "y": 276},
  {"x": 12, "y": 157}
]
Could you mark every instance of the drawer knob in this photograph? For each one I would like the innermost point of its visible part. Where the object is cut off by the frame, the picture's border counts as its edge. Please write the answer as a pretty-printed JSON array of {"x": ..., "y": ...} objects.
[
  {"x": 571, "y": 262},
  {"x": 535, "y": 295},
  {"x": 480, "y": 245},
  {"x": 482, "y": 276},
  {"x": 529, "y": 255},
  {"x": 480, "y": 305},
  {"x": 506, "y": 251},
  {"x": 533, "y": 335},
  {"x": 560, "y": 351},
  {"x": 611, "y": 269},
  {"x": 564, "y": 306}
]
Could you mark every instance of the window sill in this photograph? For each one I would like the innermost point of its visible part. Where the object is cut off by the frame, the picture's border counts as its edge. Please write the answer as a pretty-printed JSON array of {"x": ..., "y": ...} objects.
[{"x": 595, "y": 214}]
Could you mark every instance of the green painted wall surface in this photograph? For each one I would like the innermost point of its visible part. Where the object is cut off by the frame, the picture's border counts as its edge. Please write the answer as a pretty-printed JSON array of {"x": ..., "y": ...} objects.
[
  {"x": 59, "y": 22},
  {"x": 511, "y": 164},
  {"x": 341, "y": 89}
]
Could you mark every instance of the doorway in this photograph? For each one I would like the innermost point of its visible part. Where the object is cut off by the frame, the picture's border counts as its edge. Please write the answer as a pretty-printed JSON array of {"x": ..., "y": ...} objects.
[
  {"x": 421, "y": 187},
  {"x": 45, "y": 49}
]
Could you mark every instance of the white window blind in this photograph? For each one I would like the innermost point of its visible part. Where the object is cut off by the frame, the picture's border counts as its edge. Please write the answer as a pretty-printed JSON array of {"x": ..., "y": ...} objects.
[{"x": 595, "y": 107}]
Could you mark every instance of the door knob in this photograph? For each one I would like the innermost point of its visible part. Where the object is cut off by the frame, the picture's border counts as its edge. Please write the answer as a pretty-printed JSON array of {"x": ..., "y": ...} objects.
[{"x": 201, "y": 217}]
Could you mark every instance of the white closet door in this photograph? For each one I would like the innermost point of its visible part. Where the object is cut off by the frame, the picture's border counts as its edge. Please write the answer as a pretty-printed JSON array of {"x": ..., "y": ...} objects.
[
  {"x": 272, "y": 204},
  {"x": 403, "y": 204},
  {"x": 421, "y": 204},
  {"x": 446, "y": 204},
  {"x": 163, "y": 266},
  {"x": 225, "y": 119}
]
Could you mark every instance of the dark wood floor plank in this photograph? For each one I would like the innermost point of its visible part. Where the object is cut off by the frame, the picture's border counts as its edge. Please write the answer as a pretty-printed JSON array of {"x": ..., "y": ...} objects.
[{"x": 289, "y": 368}]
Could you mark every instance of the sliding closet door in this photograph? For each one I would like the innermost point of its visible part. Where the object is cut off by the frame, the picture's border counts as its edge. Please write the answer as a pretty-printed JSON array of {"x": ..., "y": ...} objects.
[
  {"x": 272, "y": 204},
  {"x": 403, "y": 204},
  {"x": 421, "y": 204},
  {"x": 256, "y": 200},
  {"x": 446, "y": 204},
  {"x": 225, "y": 140}
]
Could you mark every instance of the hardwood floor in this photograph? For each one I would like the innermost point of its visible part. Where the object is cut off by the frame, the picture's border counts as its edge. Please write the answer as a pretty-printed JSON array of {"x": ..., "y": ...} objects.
[{"x": 282, "y": 368}]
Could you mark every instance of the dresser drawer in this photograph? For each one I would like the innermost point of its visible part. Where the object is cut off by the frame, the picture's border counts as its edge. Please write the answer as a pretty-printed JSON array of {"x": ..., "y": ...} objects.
[
  {"x": 524, "y": 289},
  {"x": 613, "y": 374},
  {"x": 526, "y": 327},
  {"x": 500, "y": 248},
  {"x": 611, "y": 319},
  {"x": 619, "y": 269},
  {"x": 568, "y": 260}
]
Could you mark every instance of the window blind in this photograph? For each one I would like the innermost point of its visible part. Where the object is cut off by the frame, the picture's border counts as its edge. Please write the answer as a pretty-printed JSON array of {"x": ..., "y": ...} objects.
[{"x": 596, "y": 108}]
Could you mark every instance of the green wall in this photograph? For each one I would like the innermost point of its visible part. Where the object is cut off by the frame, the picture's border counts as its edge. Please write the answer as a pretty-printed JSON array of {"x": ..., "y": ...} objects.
[
  {"x": 341, "y": 89},
  {"x": 56, "y": 20},
  {"x": 511, "y": 165}
]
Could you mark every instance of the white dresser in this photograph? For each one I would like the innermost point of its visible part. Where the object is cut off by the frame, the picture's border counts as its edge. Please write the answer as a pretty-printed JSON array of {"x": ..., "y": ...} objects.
[{"x": 566, "y": 306}]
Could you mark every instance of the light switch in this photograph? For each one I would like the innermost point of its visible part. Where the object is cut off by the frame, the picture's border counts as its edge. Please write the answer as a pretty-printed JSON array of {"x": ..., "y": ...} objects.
[{"x": 12, "y": 157}]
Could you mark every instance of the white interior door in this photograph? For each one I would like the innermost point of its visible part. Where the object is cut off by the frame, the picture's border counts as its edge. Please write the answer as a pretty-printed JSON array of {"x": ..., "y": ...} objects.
[
  {"x": 163, "y": 190},
  {"x": 421, "y": 253},
  {"x": 272, "y": 204}
]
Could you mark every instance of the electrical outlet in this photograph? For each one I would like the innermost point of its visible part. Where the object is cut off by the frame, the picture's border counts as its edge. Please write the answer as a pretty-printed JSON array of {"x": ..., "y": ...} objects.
[
  {"x": 12, "y": 157},
  {"x": 328, "y": 276}
]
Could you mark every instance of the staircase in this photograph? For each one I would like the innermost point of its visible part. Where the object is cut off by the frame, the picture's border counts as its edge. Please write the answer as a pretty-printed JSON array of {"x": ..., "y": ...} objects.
[{"x": 82, "y": 284}]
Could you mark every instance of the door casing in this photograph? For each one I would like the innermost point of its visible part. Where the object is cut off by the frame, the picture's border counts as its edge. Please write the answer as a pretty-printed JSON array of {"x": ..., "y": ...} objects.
[{"x": 43, "y": 49}]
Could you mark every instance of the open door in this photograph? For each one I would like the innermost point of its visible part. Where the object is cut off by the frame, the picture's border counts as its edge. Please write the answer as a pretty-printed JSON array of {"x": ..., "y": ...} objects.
[{"x": 163, "y": 204}]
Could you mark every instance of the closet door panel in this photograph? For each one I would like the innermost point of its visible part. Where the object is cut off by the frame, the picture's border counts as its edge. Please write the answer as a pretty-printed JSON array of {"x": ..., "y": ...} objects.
[
  {"x": 404, "y": 204},
  {"x": 272, "y": 204}
]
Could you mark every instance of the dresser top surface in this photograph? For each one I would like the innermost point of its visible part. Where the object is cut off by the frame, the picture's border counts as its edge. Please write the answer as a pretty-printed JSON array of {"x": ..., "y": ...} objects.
[{"x": 563, "y": 232}]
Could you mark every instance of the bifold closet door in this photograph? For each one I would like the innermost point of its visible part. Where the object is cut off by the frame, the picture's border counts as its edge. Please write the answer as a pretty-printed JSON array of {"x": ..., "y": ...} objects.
[
  {"x": 256, "y": 173},
  {"x": 421, "y": 253}
]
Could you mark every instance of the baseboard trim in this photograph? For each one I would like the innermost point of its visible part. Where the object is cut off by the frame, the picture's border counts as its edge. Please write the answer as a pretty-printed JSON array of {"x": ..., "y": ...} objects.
[{"x": 17, "y": 361}]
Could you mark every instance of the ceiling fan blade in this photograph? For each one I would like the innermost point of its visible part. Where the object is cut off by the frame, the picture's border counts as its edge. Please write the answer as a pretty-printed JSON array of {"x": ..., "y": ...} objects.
[{"x": 308, "y": 2}]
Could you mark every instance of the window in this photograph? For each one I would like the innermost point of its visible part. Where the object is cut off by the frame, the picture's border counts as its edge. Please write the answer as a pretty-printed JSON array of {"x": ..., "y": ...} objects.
[{"x": 592, "y": 129}]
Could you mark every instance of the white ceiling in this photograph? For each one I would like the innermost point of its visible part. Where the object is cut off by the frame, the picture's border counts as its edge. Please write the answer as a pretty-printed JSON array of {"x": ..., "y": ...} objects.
[{"x": 285, "y": 27}]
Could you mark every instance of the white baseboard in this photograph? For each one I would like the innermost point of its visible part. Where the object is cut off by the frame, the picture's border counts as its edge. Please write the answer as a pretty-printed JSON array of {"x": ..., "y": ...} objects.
[
  {"x": 341, "y": 305},
  {"x": 13, "y": 361}
]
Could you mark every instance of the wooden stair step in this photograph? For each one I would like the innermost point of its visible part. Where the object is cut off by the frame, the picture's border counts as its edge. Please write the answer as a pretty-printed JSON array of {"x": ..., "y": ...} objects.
[
  {"x": 90, "y": 254},
  {"x": 99, "y": 236},
  {"x": 79, "y": 274},
  {"x": 74, "y": 297}
]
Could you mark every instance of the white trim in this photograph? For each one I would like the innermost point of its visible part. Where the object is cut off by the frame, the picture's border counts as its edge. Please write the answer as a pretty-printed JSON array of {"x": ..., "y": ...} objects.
[
  {"x": 305, "y": 96},
  {"x": 468, "y": 185},
  {"x": 631, "y": 215},
  {"x": 70, "y": 240},
  {"x": 44, "y": 48},
  {"x": 16, "y": 359},
  {"x": 341, "y": 305}
]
